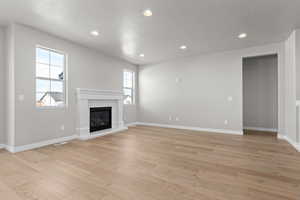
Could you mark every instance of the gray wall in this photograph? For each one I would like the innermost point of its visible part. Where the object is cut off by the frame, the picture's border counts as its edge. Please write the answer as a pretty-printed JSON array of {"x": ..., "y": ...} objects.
[
  {"x": 297, "y": 54},
  {"x": 200, "y": 96},
  {"x": 260, "y": 92},
  {"x": 2, "y": 87},
  {"x": 86, "y": 69},
  {"x": 290, "y": 89}
]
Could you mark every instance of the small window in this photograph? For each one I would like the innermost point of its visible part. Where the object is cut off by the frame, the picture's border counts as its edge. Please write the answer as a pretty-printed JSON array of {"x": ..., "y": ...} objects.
[
  {"x": 50, "y": 78},
  {"x": 128, "y": 86}
]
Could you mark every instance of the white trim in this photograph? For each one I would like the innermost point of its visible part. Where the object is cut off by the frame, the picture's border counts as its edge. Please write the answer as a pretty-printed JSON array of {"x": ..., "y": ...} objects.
[
  {"x": 225, "y": 131},
  {"x": 280, "y": 136},
  {"x": 84, "y": 93},
  {"x": 112, "y": 131},
  {"x": 133, "y": 124},
  {"x": 16, "y": 149},
  {"x": 64, "y": 81},
  {"x": 85, "y": 97},
  {"x": 261, "y": 129},
  {"x": 294, "y": 144}
]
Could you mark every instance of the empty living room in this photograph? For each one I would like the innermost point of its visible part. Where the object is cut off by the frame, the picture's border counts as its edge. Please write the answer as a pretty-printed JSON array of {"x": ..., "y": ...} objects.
[{"x": 149, "y": 100}]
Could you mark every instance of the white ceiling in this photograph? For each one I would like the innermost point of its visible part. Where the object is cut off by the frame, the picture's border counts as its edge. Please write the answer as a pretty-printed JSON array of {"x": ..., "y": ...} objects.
[{"x": 203, "y": 25}]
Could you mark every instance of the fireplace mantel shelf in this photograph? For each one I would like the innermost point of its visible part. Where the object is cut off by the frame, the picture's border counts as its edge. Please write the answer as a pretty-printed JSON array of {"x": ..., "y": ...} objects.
[{"x": 98, "y": 94}]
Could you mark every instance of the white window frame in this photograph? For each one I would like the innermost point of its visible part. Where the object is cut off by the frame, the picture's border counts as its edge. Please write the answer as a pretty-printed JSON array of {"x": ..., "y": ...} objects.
[
  {"x": 133, "y": 85},
  {"x": 65, "y": 96}
]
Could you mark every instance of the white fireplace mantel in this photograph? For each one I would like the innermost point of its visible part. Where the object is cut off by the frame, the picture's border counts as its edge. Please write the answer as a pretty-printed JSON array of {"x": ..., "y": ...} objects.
[{"x": 88, "y": 98}]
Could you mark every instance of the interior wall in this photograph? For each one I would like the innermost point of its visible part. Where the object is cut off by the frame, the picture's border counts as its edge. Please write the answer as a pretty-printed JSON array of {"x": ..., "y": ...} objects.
[
  {"x": 290, "y": 89},
  {"x": 2, "y": 82},
  {"x": 87, "y": 68},
  {"x": 297, "y": 54},
  {"x": 260, "y": 85},
  {"x": 196, "y": 91}
]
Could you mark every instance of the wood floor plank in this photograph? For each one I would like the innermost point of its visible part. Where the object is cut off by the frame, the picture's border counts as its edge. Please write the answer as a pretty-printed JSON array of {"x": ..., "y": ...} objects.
[{"x": 152, "y": 163}]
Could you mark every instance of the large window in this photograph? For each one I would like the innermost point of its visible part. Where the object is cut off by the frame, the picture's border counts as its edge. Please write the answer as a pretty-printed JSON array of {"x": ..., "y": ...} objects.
[
  {"x": 50, "y": 78},
  {"x": 128, "y": 86}
]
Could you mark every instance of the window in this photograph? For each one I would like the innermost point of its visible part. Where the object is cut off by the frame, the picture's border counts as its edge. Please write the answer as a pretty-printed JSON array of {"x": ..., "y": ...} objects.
[
  {"x": 50, "y": 78},
  {"x": 128, "y": 86}
]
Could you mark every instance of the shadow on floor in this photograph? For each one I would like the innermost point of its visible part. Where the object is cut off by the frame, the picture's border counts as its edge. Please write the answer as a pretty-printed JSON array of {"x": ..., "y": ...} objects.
[{"x": 260, "y": 133}]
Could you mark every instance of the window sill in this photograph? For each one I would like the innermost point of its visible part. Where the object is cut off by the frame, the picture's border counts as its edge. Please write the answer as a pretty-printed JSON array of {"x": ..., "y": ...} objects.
[{"x": 51, "y": 107}]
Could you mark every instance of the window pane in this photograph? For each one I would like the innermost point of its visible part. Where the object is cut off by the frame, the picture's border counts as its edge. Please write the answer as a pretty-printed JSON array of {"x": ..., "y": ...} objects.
[
  {"x": 57, "y": 73},
  {"x": 57, "y": 86},
  {"x": 57, "y": 98},
  {"x": 42, "y": 85},
  {"x": 127, "y": 92},
  {"x": 128, "y": 100},
  {"x": 57, "y": 59},
  {"x": 128, "y": 79},
  {"x": 50, "y": 66},
  {"x": 42, "y": 71},
  {"x": 43, "y": 99},
  {"x": 42, "y": 56},
  {"x": 128, "y": 96}
]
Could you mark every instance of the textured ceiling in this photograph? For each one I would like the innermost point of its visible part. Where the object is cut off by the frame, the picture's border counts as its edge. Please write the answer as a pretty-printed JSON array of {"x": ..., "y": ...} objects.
[{"x": 203, "y": 25}]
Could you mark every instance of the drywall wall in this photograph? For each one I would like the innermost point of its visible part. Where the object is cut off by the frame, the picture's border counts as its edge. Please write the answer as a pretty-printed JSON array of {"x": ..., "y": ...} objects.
[
  {"x": 260, "y": 87},
  {"x": 290, "y": 89},
  {"x": 197, "y": 90},
  {"x": 2, "y": 81},
  {"x": 297, "y": 60},
  {"x": 10, "y": 85},
  {"x": 87, "y": 68}
]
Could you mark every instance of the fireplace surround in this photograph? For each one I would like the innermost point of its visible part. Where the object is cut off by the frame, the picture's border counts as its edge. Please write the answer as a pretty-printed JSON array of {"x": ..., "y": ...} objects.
[{"x": 89, "y": 100}]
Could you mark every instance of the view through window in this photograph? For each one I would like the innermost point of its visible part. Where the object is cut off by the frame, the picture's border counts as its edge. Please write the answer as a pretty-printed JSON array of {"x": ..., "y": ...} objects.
[
  {"x": 128, "y": 86},
  {"x": 50, "y": 78}
]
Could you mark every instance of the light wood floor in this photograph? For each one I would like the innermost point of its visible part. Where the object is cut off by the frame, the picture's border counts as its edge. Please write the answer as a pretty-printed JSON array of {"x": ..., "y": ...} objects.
[{"x": 147, "y": 163}]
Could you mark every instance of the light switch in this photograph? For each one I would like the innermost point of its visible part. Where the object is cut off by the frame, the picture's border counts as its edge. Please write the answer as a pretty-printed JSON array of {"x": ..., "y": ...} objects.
[
  {"x": 21, "y": 97},
  {"x": 178, "y": 80}
]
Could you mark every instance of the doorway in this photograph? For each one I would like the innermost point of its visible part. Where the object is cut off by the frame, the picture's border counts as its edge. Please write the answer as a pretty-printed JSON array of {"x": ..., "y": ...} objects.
[{"x": 260, "y": 95}]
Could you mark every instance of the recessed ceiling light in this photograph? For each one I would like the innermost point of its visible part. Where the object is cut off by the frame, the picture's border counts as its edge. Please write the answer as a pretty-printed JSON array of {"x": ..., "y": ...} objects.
[
  {"x": 242, "y": 35},
  {"x": 94, "y": 33},
  {"x": 183, "y": 47},
  {"x": 142, "y": 55},
  {"x": 147, "y": 13}
]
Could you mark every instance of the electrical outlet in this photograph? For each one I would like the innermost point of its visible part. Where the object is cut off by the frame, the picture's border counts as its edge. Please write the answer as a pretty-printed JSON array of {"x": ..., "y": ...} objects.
[
  {"x": 62, "y": 127},
  {"x": 229, "y": 98},
  {"x": 226, "y": 122},
  {"x": 177, "y": 119},
  {"x": 170, "y": 118}
]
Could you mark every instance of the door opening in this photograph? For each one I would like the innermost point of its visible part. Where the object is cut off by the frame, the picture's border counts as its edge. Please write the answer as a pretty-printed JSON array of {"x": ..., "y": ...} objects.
[{"x": 260, "y": 95}]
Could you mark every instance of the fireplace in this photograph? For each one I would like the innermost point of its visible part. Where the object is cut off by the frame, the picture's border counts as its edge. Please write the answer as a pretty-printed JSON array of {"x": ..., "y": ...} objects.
[
  {"x": 100, "y": 119},
  {"x": 90, "y": 98}
]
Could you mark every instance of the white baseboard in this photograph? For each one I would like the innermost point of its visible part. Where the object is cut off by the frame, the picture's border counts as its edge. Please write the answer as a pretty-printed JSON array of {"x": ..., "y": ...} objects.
[
  {"x": 260, "y": 129},
  {"x": 15, "y": 149},
  {"x": 235, "y": 132},
  {"x": 104, "y": 133},
  {"x": 280, "y": 136},
  {"x": 294, "y": 144},
  {"x": 133, "y": 124}
]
